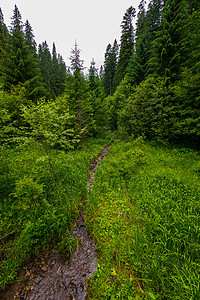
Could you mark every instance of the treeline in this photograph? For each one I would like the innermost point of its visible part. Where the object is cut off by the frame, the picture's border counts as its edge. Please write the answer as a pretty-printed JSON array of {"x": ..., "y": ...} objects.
[
  {"x": 39, "y": 71},
  {"x": 32, "y": 78},
  {"x": 153, "y": 77},
  {"x": 148, "y": 85}
]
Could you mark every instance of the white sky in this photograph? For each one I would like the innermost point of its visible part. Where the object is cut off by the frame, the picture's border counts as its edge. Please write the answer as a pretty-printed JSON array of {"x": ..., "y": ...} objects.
[{"x": 92, "y": 23}]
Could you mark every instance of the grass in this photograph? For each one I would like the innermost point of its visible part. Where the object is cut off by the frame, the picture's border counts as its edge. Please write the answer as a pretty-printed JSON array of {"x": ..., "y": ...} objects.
[
  {"x": 143, "y": 214},
  {"x": 34, "y": 213}
]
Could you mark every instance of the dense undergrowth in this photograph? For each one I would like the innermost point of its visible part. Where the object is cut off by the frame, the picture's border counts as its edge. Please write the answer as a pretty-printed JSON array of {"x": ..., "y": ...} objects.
[
  {"x": 143, "y": 214},
  {"x": 33, "y": 213}
]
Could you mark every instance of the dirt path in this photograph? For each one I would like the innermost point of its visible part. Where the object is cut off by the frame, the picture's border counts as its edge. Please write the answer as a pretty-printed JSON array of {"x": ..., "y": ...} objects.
[{"x": 51, "y": 278}]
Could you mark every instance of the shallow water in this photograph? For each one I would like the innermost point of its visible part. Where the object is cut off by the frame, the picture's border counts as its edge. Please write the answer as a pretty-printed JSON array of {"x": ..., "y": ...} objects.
[{"x": 49, "y": 276}]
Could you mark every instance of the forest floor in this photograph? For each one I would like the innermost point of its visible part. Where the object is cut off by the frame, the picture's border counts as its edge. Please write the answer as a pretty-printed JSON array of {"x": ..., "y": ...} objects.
[{"x": 50, "y": 275}]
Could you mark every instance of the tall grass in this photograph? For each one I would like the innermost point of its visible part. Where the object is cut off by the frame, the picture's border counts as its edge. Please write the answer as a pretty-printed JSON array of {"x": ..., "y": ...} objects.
[
  {"x": 143, "y": 213},
  {"x": 33, "y": 212}
]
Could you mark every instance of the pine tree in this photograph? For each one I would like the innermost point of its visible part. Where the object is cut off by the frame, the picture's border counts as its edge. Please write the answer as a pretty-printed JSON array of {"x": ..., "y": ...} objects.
[
  {"x": 154, "y": 17},
  {"x": 29, "y": 37},
  {"x": 76, "y": 62},
  {"x": 3, "y": 32},
  {"x": 92, "y": 76},
  {"x": 101, "y": 73},
  {"x": 62, "y": 74},
  {"x": 75, "y": 85},
  {"x": 55, "y": 71},
  {"x": 20, "y": 65},
  {"x": 59, "y": 72},
  {"x": 127, "y": 44},
  {"x": 138, "y": 67},
  {"x": 3, "y": 40},
  {"x": 169, "y": 46},
  {"x": 110, "y": 67},
  {"x": 46, "y": 68}
]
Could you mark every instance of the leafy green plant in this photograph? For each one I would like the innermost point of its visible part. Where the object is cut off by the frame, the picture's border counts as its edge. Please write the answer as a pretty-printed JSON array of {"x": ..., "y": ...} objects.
[{"x": 53, "y": 127}]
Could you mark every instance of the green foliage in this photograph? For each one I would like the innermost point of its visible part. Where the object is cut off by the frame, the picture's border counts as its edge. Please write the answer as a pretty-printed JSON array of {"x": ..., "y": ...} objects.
[
  {"x": 67, "y": 245},
  {"x": 168, "y": 51},
  {"x": 10, "y": 111},
  {"x": 28, "y": 192},
  {"x": 51, "y": 124},
  {"x": 19, "y": 64},
  {"x": 110, "y": 67},
  {"x": 33, "y": 213},
  {"x": 160, "y": 112},
  {"x": 146, "y": 227},
  {"x": 127, "y": 44},
  {"x": 116, "y": 102}
]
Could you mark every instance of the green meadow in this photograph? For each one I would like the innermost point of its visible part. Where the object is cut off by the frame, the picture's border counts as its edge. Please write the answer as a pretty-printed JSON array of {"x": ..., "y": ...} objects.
[{"x": 143, "y": 214}]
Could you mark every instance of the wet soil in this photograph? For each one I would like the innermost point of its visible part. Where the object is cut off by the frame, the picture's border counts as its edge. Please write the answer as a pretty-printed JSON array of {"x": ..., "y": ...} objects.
[{"x": 51, "y": 277}]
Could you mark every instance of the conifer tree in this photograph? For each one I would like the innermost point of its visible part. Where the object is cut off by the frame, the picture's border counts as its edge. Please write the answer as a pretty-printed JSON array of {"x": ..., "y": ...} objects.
[
  {"x": 20, "y": 65},
  {"x": 75, "y": 85},
  {"x": 110, "y": 66},
  {"x": 101, "y": 73},
  {"x": 46, "y": 68},
  {"x": 127, "y": 44},
  {"x": 59, "y": 72},
  {"x": 3, "y": 33},
  {"x": 29, "y": 37},
  {"x": 92, "y": 76},
  {"x": 55, "y": 70},
  {"x": 138, "y": 67},
  {"x": 62, "y": 74},
  {"x": 3, "y": 41},
  {"x": 169, "y": 46}
]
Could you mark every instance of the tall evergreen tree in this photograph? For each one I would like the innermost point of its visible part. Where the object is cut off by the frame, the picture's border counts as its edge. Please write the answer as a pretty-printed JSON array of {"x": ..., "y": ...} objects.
[
  {"x": 75, "y": 85},
  {"x": 3, "y": 40},
  {"x": 46, "y": 68},
  {"x": 110, "y": 66},
  {"x": 169, "y": 46},
  {"x": 20, "y": 65},
  {"x": 138, "y": 67},
  {"x": 76, "y": 62},
  {"x": 62, "y": 74},
  {"x": 92, "y": 76},
  {"x": 55, "y": 70},
  {"x": 154, "y": 17},
  {"x": 3, "y": 32},
  {"x": 127, "y": 44},
  {"x": 29, "y": 37},
  {"x": 59, "y": 72}
]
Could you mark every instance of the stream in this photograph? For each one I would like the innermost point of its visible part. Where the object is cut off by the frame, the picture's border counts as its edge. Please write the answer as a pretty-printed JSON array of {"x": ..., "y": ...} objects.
[{"x": 50, "y": 277}]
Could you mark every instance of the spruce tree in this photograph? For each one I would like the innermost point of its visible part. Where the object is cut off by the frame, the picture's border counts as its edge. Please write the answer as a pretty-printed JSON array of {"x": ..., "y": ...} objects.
[
  {"x": 62, "y": 74},
  {"x": 110, "y": 66},
  {"x": 92, "y": 76},
  {"x": 20, "y": 65},
  {"x": 127, "y": 44},
  {"x": 75, "y": 85},
  {"x": 3, "y": 41},
  {"x": 138, "y": 67},
  {"x": 29, "y": 37},
  {"x": 55, "y": 74},
  {"x": 46, "y": 68},
  {"x": 169, "y": 46},
  {"x": 3, "y": 33},
  {"x": 59, "y": 72}
]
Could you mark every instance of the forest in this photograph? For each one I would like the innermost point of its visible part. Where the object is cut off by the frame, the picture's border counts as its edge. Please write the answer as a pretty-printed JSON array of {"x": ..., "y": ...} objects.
[{"x": 143, "y": 209}]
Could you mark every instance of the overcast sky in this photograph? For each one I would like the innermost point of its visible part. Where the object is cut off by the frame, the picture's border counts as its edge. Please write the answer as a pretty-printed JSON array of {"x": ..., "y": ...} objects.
[{"x": 92, "y": 23}]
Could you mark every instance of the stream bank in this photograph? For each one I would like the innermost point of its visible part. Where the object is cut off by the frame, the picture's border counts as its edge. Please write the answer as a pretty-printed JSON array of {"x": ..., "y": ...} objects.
[{"x": 49, "y": 276}]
